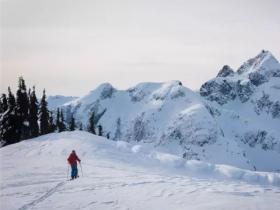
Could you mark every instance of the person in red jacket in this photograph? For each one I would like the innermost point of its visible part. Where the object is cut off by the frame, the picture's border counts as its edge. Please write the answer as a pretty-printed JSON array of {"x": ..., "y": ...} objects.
[{"x": 72, "y": 160}]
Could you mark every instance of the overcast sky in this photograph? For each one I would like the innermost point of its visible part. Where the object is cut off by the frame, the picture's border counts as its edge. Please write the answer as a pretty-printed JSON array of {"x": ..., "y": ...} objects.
[{"x": 70, "y": 47}]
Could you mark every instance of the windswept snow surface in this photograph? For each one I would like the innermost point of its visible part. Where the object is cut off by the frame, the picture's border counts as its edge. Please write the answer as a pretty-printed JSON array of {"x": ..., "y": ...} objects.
[{"x": 121, "y": 175}]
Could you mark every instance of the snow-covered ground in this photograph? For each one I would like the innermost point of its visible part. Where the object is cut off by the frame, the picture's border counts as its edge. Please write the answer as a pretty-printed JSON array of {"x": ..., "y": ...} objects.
[{"x": 121, "y": 175}]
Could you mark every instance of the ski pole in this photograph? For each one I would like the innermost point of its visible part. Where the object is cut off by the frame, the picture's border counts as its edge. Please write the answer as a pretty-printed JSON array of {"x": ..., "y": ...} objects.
[
  {"x": 81, "y": 169},
  {"x": 67, "y": 171}
]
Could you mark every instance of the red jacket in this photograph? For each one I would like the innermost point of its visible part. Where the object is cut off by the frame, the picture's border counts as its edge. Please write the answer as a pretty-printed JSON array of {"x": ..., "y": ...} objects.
[{"x": 73, "y": 158}]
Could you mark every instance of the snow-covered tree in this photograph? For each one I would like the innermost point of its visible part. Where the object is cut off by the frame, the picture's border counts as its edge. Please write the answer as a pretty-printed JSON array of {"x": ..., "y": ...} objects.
[
  {"x": 91, "y": 123},
  {"x": 118, "y": 130},
  {"x": 8, "y": 126},
  {"x": 1, "y": 109},
  {"x": 81, "y": 127},
  {"x": 4, "y": 103},
  {"x": 100, "y": 130},
  {"x": 22, "y": 108},
  {"x": 62, "y": 122},
  {"x": 72, "y": 125},
  {"x": 57, "y": 119},
  {"x": 44, "y": 115},
  {"x": 51, "y": 124},
  {"x": 33, "y": 114}
]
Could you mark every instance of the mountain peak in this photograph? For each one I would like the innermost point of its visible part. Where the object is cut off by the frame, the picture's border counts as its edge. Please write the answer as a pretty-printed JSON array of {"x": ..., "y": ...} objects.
[
  {"x": 263, "y": 56},
  {"x": 225, "y": 71},
  {"x": 229, "y": 85},
  {"x": 264, "y": 53},
  {"x": 262, "y": 63},
  {"x": 102, "y": 86}
]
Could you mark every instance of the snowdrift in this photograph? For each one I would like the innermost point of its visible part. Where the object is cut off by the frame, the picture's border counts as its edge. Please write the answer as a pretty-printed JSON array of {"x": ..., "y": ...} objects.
[{"x": 54, "y": 149}]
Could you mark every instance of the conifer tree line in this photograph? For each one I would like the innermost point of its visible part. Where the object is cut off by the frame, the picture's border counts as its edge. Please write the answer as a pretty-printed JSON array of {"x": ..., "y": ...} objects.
[
  {"x": 94, "y": 127},
  {"x": 23, "y": 117}
]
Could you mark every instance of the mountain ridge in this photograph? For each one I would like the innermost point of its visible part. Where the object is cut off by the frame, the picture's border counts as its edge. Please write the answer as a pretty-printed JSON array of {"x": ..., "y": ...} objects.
[{"x": 231, "y": 120}]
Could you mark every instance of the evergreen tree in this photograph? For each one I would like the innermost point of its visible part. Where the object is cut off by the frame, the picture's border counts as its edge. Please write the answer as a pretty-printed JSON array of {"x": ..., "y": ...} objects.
[
  {"x": 22, "y": 105},
  {"x": 91, "y": 123},
  {"x": 118, "y": 132},
  {"x": 51, "y": 124},
  {"x": 72, "y": 126},
  {"x": 11, "y": 99},
  {"x": 62, "y": 122},
  {"x": 100, "y": 130},
  {"x": 33, "y": 114},
  {"x": 4, "y": 103},
  {"x": 19, "y": 116},
  {"x": 44, "y": 115},
  {"x": 58, "y": 120},
  {"x": 81, "y": 127},
  {"x": 8, "y": 127}
]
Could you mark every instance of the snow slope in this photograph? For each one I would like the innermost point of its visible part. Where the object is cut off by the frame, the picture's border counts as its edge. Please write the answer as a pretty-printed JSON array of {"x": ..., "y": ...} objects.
[{"x": 122, "y": 175}]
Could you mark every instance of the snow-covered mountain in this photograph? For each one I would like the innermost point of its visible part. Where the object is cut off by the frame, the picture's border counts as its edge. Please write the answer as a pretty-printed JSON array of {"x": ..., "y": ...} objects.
[
  {"x": 58, "y": 100},
  {"x": 246, "y": 105},
  {"x": 234, "y": 119}
]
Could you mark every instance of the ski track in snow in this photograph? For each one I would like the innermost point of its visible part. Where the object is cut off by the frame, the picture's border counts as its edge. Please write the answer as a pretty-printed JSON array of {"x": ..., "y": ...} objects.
[
  {"x": 42, "y": 198},
  {"x": 113, "y": 188}
]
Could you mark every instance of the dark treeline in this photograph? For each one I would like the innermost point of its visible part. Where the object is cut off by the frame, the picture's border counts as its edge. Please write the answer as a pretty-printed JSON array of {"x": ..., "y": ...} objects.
[
  {"x": 94, "y": 127},
  {"x": 23, "y": 117}
]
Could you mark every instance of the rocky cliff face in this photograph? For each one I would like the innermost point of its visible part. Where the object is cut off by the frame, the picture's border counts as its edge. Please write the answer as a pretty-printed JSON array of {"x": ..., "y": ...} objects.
[
  {"x": 249, "y": 79},
  {"x": 234, "y": 119},
  {"x": 248, "y": 100}
]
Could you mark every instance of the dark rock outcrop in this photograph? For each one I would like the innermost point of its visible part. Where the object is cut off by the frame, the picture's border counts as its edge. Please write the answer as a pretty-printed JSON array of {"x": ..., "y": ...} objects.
[{"x": 225, "y": 71}]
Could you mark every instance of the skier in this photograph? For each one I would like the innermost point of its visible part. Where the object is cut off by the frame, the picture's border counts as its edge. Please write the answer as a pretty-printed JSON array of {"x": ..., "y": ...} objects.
[{"x": 72, "y": 160}]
